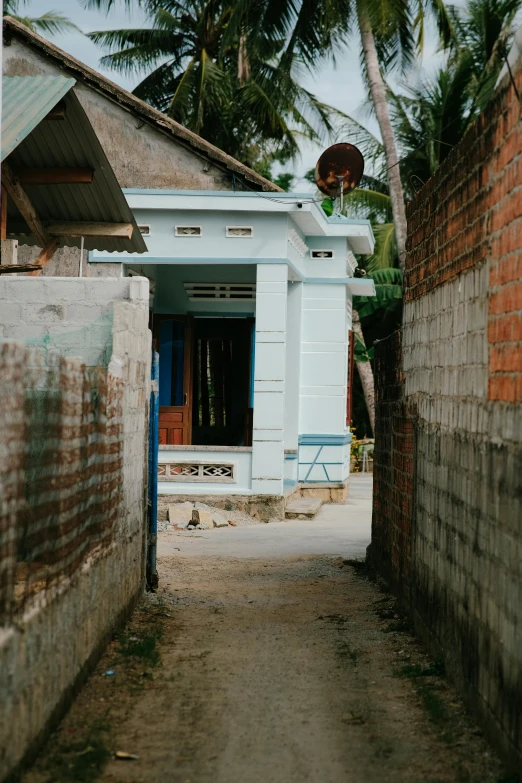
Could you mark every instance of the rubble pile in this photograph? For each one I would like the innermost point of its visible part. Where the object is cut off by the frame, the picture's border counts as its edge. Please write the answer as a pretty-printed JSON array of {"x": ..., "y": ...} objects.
[{"x": 190, "y": 516}]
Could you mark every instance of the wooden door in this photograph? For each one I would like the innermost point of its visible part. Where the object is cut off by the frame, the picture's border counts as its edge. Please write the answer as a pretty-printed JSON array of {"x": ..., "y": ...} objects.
[{"x": 174, "y": 339}]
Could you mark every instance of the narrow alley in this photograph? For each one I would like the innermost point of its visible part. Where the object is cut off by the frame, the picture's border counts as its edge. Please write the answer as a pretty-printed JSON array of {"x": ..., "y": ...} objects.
[{"x": 280, "y": 662}]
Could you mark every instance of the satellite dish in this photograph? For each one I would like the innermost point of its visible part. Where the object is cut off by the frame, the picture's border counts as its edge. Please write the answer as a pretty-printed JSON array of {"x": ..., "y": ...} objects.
[{"x": 339, "y": 170}]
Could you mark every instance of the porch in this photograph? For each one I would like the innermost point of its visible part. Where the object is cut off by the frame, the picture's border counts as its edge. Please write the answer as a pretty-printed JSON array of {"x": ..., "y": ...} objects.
[{"x": 250, "y": 313}]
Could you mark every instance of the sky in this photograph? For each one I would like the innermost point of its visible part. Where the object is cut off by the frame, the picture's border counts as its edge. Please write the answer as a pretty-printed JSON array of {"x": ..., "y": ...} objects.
[{"x": 339, "y": 85}]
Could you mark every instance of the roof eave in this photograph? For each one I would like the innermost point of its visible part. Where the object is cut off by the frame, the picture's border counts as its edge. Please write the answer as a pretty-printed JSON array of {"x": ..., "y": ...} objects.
[{"x": 119, "y": 95}]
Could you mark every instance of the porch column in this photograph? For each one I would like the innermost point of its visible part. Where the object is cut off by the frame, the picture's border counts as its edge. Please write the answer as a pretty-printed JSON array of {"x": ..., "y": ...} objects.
[
  {"x": 323, "y": 435},
  {"x": 292, "y": 389},
  {"x": 269, "y": 380}
]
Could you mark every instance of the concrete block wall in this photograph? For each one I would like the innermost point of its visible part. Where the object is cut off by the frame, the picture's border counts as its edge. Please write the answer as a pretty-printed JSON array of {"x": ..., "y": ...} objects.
[
  {"x": 447, "y": 520},
  {"x": 50, "y": 638},
  {"x": 70, "y": 316}
]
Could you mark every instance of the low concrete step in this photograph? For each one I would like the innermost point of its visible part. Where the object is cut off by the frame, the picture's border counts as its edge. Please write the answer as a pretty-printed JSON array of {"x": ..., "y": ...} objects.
[{"x": 303, "y": 508}]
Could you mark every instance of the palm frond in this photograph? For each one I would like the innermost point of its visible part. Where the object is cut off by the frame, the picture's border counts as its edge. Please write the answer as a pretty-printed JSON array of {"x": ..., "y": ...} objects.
[
  {"x": 50, "y": 23},
  {"x": 388, "y": 294},
  {"x": 108, "y": 5},
  {"x": 181, "y": 99},
  {"x": 367, "y": 203}
]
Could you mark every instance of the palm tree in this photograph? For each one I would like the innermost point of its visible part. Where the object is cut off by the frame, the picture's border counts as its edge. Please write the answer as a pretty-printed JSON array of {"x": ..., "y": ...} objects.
[
  {"x": 428, "y": 120},
  {"x": 390, "y": 32},
  {"x": 432, "y": 117},
  {"x": 484, "y": 31},
  {"x": 48, "y": 23},
  {"x": 223, "y": 80}
]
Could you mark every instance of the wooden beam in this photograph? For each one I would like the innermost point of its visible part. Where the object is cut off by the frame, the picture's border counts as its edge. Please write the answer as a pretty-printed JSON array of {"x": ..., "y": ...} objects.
[
  {"x": 123, "y": 230},
  {"x": 3, "y": 216},
  {"x": 9, "y": 269},
  {"x": 24, "y": 204},
  {"x": 78, "y": 176},
  {"x": 45, "y": 256},
  {"x": 58, "y": 113}
]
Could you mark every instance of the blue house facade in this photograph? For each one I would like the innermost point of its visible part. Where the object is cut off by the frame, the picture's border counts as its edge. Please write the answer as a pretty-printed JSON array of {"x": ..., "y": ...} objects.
[{"x": 251, "y": 297}]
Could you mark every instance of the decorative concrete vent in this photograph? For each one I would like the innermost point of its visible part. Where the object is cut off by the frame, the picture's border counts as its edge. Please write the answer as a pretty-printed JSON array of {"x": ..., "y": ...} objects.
[
  {"x": 296, "y": 241},
  {"x": 238, "y": 292},
  {"x": 321, "y": 254},
  {"x": 144, "y": 231},
  {"x": 188, "y": 231},
  {"x": 351, "y": 264},
  {"x": 211, "y": 472},
  {"x": 240, "y": 231}
]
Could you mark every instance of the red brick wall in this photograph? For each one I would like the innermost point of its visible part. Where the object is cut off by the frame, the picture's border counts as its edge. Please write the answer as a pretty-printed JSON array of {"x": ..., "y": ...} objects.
[
  {"x": 505, "y": 218},
  {"x": 448, "y": 452},
  {"x": 471, "y": 212}
]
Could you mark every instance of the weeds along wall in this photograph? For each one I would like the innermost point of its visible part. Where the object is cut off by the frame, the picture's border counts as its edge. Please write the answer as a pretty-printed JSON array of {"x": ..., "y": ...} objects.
[
  {"x": 447, "y": 518},
  {"x": 73, "y": 484}
]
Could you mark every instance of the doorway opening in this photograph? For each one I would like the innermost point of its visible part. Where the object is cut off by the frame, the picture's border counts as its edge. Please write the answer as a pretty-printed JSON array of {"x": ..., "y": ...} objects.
[
  {"x": 205, "y": 380},
  {"x": 221, "y": 408}
]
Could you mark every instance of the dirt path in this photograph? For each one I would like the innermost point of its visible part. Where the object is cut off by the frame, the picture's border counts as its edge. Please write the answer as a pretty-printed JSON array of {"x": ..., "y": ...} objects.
[
  {"x": 273, "y": 670},
  {"x": 281, "y": 672}
]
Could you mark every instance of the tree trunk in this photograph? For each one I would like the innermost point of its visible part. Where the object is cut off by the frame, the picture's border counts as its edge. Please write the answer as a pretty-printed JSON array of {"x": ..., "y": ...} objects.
[
  {"x": 243, "y": 65},
  {"x": 365, "y": 374},
  {"x": 378, "y": 93}
]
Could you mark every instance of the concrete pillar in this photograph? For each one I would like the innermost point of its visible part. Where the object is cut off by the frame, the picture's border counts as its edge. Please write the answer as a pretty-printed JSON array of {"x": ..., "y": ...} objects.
[
  {"x": 269, "y": 379},
  {"x": 293, "y": 365},
  {"x": 323, "y": 436}
]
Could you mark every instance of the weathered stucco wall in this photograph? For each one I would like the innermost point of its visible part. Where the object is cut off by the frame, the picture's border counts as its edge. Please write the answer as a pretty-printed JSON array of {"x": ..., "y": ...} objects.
[
  {"x": 66, "y": 263},
  {"x": 73, "y": 505},
  {"x": 447, "y": 523},
  {"x": 140, "y": 154},
  {"x": 71, "y": 317}
]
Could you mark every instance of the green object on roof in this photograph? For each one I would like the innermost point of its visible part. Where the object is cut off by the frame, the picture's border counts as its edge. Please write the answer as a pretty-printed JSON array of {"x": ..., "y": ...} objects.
[{"x": 26, "y": 100}]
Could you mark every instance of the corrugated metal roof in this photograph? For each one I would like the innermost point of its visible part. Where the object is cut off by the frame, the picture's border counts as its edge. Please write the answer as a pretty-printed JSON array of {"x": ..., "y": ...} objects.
[
  {"x": 91, "y": 78},
  {"x": 25, "y": 102},
  {"x": 71, "y": 143}
]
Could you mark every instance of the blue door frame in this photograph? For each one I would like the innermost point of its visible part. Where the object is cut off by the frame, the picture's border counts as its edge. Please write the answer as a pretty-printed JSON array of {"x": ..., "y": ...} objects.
[{"x": 152, "y": 571}]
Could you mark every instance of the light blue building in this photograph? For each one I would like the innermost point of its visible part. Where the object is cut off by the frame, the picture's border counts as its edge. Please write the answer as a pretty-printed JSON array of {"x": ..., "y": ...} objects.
[{"x": 251, "y": 299}]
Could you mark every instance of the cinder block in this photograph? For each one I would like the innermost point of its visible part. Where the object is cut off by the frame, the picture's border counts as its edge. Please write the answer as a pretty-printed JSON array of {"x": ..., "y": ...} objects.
[
  {"x": 27, "y": 290},
  {"x": 272, "y": 273},
  {"x": 322, "y": 368},
  {"x": 267, "y": 459},
  {"x": 324, "y": 326},
  {"x": 267, "y": 487},
  {"x": 270, "y": 362},
  {"x": 139, "y": 290},
  {"x": 271, "y": 288},
  {"x": 267, "y": 434},
  {"x": 271, "y": 312},
  {"x": 10, "y": 313},
  {"x": 106, "y": 289},
  {"x": 268, "y": 410}
]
